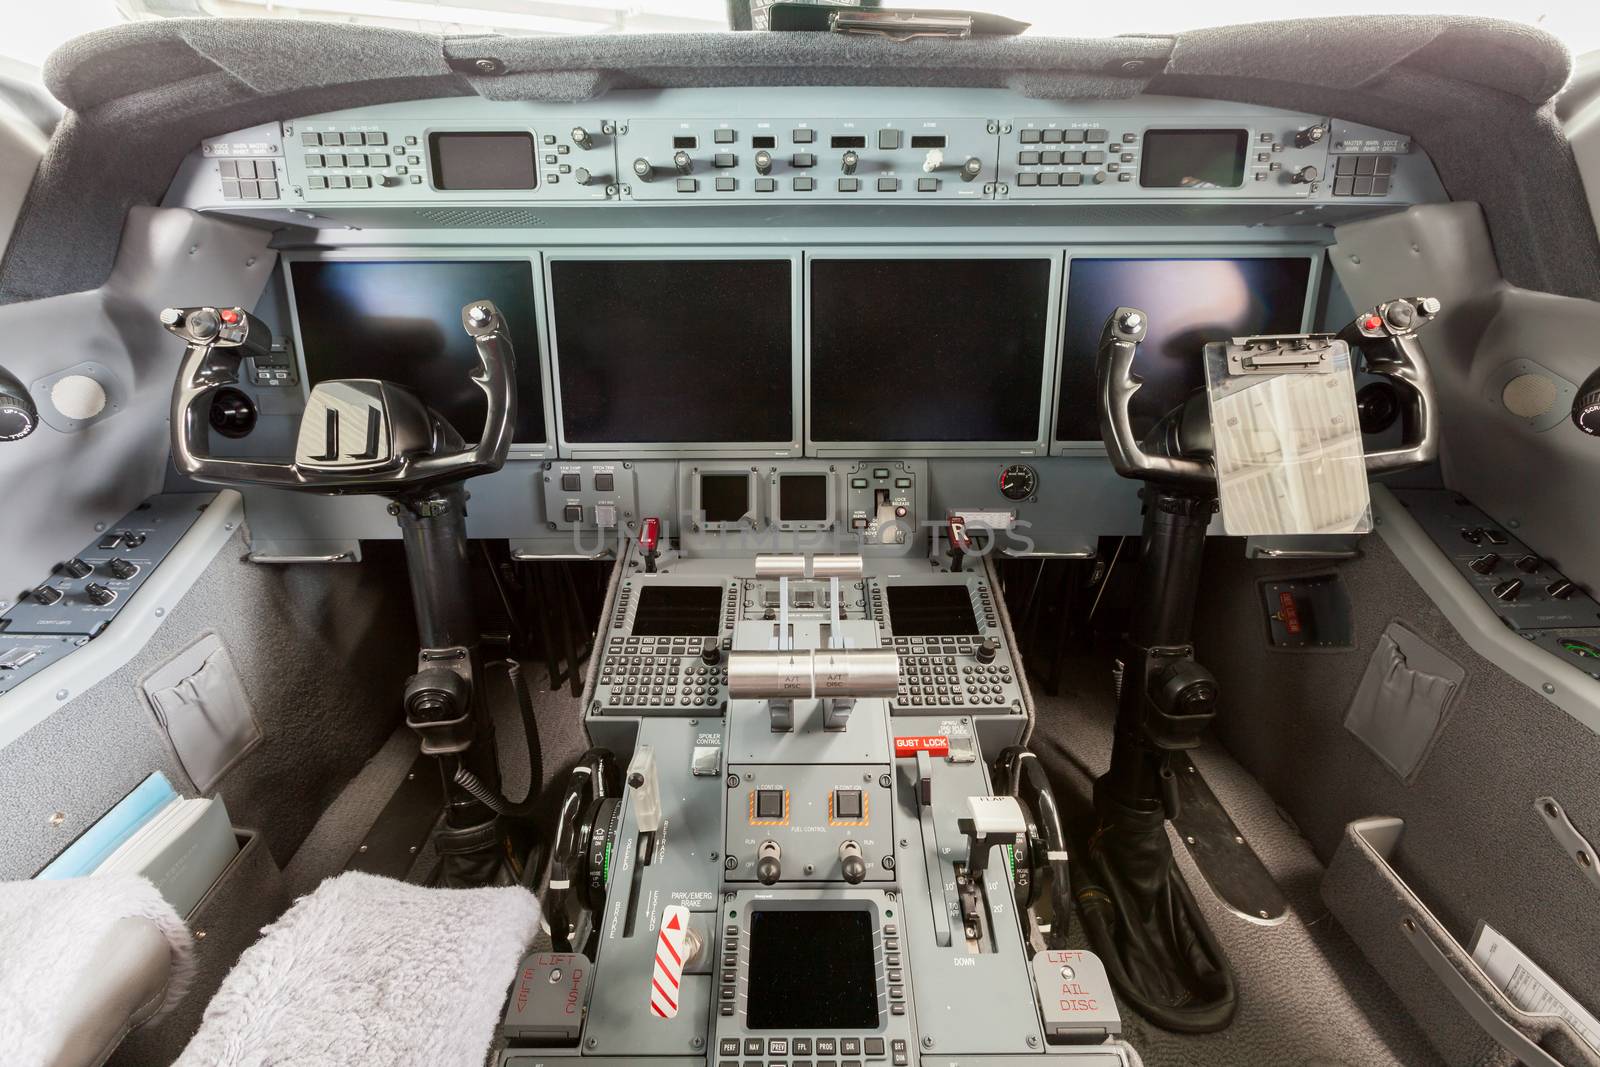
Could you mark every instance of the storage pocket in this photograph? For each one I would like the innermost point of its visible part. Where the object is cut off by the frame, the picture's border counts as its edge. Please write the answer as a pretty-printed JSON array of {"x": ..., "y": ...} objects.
[
  {"x": 202, "y": 707},
  {"x": 1447, "y": 994},
  {"x": 1403, "y": 699}
]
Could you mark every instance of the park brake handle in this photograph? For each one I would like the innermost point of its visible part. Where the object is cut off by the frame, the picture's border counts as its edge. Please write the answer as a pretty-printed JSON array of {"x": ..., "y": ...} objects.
[{"x": 420, "y": 451}]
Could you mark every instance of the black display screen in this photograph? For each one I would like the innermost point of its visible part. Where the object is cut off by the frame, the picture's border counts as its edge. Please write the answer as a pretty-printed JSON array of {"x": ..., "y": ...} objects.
[
  {"x": 400, "y": 321},
  {"x": 1193, "y": 159},
  {"x": 928, "y": 349},
  {"x": 483, "y": 160},
  {"x": 680, "y": 350},
  {"x": 921, "y": 610},
  {"x": 724, "y": 497},
  {"x": 802, "y": 498},
  {"x": 812, "y": 970},
  {"x": 1189, "y": 302},
  {"x": 678, "y": 611}
]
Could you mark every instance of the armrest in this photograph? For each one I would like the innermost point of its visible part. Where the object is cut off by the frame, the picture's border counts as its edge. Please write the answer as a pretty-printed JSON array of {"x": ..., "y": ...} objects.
[{"x": 123, "y": 988}]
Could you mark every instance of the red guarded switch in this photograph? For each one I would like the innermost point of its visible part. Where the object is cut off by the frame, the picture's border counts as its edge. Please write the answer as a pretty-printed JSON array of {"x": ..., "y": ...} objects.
[{"x": 650, "y": 534}]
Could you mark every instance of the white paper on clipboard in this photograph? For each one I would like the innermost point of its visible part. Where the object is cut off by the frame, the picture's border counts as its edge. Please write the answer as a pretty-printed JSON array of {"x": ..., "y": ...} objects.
[
  {"x": 1286, "y": 437},
  {"x": 1527, "y": 986}
]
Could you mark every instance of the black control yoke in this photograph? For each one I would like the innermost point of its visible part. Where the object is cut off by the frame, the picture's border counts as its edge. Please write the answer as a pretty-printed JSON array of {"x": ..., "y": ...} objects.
[
  {"x": 356, "y": 435},
  {"x": 1385, "y": 336}
]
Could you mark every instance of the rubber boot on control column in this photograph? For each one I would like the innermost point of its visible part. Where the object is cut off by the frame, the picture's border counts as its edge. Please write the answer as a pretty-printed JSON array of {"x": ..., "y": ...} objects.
[
  {"x": 1144, "y": 924},
  {"x": 472, "y": 856}
]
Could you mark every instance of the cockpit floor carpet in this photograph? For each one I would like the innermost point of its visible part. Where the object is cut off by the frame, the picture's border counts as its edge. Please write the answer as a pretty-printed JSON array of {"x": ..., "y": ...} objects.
[{"x": 1306, "y": 994}]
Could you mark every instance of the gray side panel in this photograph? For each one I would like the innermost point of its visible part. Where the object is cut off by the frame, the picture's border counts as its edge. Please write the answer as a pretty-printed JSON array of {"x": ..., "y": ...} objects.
[
  {"x": 168, "y": 257},
  {"x": 1525, "y": 478},
  {"x": 1475, "y": 847},
  {"x": 322, "y": 653}
]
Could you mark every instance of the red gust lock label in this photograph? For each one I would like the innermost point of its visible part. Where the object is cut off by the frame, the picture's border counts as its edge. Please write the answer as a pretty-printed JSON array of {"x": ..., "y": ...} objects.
[{"x": 908, "y": 747}]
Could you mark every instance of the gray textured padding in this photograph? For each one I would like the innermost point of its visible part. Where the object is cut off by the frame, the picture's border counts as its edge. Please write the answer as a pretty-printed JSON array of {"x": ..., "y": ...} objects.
[
  {"x": 144, "y": 94},
  {"x": 323, "y": 653},
  {"x": 1474, "y": 847}
]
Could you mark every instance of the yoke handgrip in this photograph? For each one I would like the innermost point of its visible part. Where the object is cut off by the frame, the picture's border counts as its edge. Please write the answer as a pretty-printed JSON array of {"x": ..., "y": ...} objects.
[
  {"x": 422, "y": 449},
  {"x": 1116, "y": 385},
  {"x": 1387, "y": 338}
]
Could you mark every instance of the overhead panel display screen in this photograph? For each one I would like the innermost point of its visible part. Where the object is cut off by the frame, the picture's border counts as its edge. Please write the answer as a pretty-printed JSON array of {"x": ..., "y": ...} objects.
[
  {"x": 1193, "y": 159},
  {"x": 674, "y": 351},
  {"x": 928, "y": 349},
  {"x": 483, "y": 160},
  {"x": 1189, "y": 302},
  {"x": 812, "y": 970},
  {"x": 401, "y": 322}
]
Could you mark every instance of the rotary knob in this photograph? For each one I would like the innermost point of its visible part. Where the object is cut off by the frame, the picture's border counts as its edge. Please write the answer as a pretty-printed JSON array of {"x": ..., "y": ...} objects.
[
  {"x": 1486, "y": 563},
  {"x": 76, "y": 568},
  {"x": 121, "y": 569},
  {"x": 1586, "y": 406},
  {"x": 971, "y": 168},
  {"x": 100, "y": 594},
  {"x": 583, "y": 176},
  {"x": 848, "y": 162},
  {"x": 987, "y": 650},
  {"x": 643, "y": 170},
  {"x": 1508, "y": 591},
  {"x": 582, "y": 138},
  {"x": 710, "y": 654},
  {"x": 683, "y": 161},
  {"x": 1305, "y": 175},
  {"x": 763, "y": 162},
  {"x": 18, "y": 415},
  {"x": 1310, "y": 135}
]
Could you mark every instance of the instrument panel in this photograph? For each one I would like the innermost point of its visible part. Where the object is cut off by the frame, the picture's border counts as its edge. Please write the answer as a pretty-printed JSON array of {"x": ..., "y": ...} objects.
[{"x": 730, "y": 308}]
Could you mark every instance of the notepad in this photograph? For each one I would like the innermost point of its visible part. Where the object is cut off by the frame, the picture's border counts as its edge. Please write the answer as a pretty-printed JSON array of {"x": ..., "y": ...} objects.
[
  {"x": 112, "y": 829},
  {"x": 181, "y": 844}
]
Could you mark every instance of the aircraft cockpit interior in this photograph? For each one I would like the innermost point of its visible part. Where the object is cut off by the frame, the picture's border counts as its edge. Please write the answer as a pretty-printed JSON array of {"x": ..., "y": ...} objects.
[{"x": 849, "y": 536}]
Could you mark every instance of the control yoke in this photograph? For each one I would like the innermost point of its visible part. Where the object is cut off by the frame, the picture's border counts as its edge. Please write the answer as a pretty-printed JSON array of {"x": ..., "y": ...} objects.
[
  {"x": 1385, "y": 336},
  {"x": 357, "y": 435}
]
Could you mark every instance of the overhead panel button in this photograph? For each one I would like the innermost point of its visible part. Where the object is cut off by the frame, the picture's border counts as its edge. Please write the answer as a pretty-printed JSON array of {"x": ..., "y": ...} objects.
[
  {"x": 803, "y": 136},
  {"x": 888, "y": 140}
]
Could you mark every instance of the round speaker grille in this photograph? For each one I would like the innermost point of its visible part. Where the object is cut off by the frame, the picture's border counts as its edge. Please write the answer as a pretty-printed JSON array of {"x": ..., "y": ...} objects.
[
  {"x": 1529, "y": 396},
  {"x": 78, "y": 397}
]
